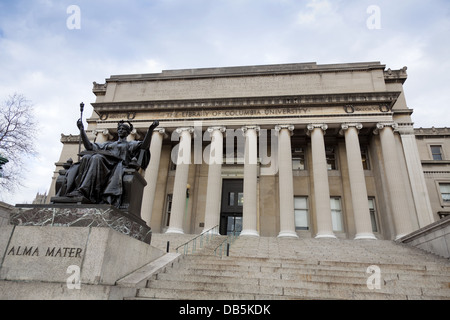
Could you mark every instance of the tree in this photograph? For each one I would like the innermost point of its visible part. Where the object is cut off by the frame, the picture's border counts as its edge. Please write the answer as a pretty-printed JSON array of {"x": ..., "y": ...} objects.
[{"x": 18, "y": 129}]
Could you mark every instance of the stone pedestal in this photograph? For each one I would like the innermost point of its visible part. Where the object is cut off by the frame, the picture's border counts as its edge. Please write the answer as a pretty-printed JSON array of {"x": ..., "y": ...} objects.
[
  {"x": 81, "y": 251},
  {"x": 81, "y": 215},
  {"x": 50, "y": 262}
]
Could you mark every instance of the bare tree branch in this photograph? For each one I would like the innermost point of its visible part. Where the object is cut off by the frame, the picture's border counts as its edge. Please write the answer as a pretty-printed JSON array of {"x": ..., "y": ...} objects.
[{"x": 18, "y": 128}]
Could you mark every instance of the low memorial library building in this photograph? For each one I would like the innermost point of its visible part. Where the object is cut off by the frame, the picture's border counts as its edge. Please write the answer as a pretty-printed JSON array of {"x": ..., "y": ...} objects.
[{"x": 289, "y": 150}]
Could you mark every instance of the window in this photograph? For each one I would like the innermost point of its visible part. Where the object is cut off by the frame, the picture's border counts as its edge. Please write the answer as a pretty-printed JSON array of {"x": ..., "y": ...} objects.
[
  {"x": 168, "y": 208},
  {"x": 231, "y": 199},
  {"x": 436, "y": 152},
  {"x": 445, "y": 192},
  {"x": 336, "y": 214},
  {"x": 365, "y": 158},
  {"x": 240, "y": 199},
  {"x": 232, "y": 196},
  {"x": 301, "y": 213},
  {"x": 298, "y": 159},
  {"x": 373, "y": 217},
  {"x": 331, "y": 158}
]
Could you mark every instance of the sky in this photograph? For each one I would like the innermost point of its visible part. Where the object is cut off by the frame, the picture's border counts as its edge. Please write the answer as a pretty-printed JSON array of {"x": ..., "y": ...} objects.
[{"x": 51, "y": 51}]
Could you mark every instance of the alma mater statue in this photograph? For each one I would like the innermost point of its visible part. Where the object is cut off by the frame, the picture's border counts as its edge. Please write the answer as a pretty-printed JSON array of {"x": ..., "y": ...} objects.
[{"x": 99, "y": 175}]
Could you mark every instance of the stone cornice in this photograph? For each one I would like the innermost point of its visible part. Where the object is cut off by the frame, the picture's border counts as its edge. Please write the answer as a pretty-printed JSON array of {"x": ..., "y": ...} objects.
[
  {"x": 435, "y": 162},
  {"x": 395, "y": 75},
  {"x": 99, "y": 88},
  {"x": 70, "y": 138},
  {"x": 432, "y": 131},
  {"x": 385, "y": 100},
  {"x": 245, "y": 71}
]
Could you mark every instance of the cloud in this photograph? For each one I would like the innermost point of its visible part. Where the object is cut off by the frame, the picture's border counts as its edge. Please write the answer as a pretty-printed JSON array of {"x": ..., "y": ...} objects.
[
  {"x": 315, "y": 10},
  {"x": 55, "y": 67}
]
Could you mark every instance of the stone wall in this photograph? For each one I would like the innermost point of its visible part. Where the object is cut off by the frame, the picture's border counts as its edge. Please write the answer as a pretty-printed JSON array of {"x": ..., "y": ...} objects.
[{"x": 434, "y": 238}]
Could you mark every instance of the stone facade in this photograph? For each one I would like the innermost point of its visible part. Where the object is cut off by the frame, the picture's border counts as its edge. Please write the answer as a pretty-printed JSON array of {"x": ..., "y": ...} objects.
[
  {"x": 434, "y": 151},
  {"x": 291, "y": 150}
]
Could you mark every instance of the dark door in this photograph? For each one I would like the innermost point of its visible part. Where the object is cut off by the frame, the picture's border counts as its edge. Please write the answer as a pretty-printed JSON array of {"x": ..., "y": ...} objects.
[{"x": 232, "y": 203}]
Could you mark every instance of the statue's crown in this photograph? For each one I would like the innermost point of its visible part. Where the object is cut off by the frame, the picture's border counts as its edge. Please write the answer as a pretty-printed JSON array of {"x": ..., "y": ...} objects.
[{"x": 127, "y": 124}]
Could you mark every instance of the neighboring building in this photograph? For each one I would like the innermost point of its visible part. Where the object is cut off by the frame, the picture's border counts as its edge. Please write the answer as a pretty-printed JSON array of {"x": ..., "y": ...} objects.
[
  {"x": 308, "y": 150},
  {"x": 40, "y": 198},
  {"x": 434, "y": 150},
  {"x": 5, "y": 211}
]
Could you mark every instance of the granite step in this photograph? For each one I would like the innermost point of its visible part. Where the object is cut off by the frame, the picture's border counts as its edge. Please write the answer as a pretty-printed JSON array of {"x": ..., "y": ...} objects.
[
  {"x": 272, "y": 268},
  {"x": 300, "y": 274},
  {"x": 287, "y": 280},
  {"x": 256, "y": 265},
  {"x": 268, "y": 284},
  {"x": 288, "y": 294}
]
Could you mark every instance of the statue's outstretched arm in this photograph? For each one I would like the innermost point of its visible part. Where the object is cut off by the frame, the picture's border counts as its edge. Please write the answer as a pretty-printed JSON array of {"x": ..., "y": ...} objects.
[
  {"x": 87, "y": 144},
  {"x": 148, "y": 136}
]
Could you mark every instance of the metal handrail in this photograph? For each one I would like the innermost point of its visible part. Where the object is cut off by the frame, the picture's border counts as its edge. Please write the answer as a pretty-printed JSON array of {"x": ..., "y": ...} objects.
[
  {"x": 228, "y": 241},
  {"x": 208, "y": 234}
]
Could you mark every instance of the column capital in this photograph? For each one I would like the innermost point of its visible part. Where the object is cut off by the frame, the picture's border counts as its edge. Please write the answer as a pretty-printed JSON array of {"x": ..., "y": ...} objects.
[
  {"x": 214, "y": 128},
  {"x": 310, "y": 127},
  {"x": 133, "y": 135},
  {"x": 182, "y": 129},
  {"x": 245, "y": 129},
  {"x": 105, "y": 135},
  {"x": 381, "y": 125},
  {"x": 345, "y": 126},
  {"x": 101, "y": 131},
  {"x": 160, "y": 130},
  {"x": 289, "y": 127}
]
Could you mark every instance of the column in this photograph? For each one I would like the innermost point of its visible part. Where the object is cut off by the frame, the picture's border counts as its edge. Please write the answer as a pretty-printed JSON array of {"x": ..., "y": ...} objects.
[
  {"x": 181, "y": 178},
  {"x": 320, "y": 177},
  {"x": 151, "y": 174},
  {"x": 249, "y": 214},
  {"x": 399, "y": 204},
  {"x": 102, "y": 135},
  {"x": 417, "y": 178},
  {"x": 134, "y": 135},
  {"x": 214, "y": 188},
  {"x": 358, "y": 187},
  {"x": 286, "y": 181}
]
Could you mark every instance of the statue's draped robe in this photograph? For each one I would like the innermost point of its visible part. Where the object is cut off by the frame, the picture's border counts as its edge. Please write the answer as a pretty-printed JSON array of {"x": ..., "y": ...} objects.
[{"x": 99, "y": 174}]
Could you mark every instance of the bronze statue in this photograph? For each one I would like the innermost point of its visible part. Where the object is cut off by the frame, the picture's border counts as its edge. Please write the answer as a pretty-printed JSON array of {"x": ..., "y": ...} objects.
[{"x": 98, "y": 177}]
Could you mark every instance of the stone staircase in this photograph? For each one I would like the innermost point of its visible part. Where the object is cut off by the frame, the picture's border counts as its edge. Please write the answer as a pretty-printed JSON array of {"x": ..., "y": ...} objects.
[{"x": 278, "y": 269}]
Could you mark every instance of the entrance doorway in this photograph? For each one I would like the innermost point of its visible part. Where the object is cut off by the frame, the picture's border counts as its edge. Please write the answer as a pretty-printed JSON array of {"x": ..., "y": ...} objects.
[{"x": 232, "y": 204}]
